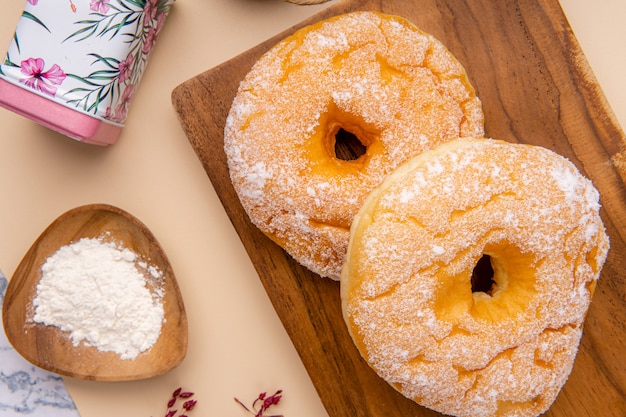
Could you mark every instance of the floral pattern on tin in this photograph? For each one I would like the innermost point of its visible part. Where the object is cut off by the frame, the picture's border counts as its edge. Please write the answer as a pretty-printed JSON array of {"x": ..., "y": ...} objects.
[
  {"x": 137, "y": 21},
  {"x": 39, "y": 79},
  {"x": 100, "y": 6}
]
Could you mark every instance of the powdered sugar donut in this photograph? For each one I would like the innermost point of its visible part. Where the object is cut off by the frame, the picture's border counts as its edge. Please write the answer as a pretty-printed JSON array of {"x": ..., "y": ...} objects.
[
  {"x": 469, "y": 273},
  {"x": 365, "y": 77}
]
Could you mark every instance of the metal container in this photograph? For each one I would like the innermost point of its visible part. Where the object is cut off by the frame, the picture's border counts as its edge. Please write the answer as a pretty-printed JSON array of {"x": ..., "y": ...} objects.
[{"x": 74, "y": 65}]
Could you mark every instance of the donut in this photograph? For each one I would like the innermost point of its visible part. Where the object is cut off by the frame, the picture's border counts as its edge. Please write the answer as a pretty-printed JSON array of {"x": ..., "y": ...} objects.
[
  {"x": 327, "y": 113},
  {"x": 469, "y": 273}
]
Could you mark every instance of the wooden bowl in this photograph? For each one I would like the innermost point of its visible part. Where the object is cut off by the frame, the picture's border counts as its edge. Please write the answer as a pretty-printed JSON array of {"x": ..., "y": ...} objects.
[{"x": 52, "y": 349}]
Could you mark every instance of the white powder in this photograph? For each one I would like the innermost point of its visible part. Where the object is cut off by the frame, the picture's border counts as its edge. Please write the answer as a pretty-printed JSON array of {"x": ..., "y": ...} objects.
[
  {"x": 438, "y": 250},
  {"x": 567, "y": 181},
  {"x": 94, "y": 290}
]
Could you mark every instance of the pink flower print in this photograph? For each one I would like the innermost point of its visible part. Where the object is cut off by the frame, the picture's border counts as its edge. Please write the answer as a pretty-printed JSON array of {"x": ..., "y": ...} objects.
[
  {"x": 151, "y": 37},
  {"x": 122, "y": 108},
  {"x": 160, "y": 20},
  {"x": 37, "y": 79},
  {"x": 99, "y": 6},
  {"x": 33, "y": 2},
  {"x": 125, "y": 68},
  {"x": 150, "y": 41},
  {"x": 149, "y": 11}
]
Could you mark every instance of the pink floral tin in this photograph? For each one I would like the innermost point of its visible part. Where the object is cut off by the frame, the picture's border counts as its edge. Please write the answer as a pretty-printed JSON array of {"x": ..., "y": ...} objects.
[{"x": 74, "y": 65}]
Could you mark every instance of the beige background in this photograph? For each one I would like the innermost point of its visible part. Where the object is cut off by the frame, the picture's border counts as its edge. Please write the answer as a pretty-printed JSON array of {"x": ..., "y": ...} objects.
[{"x": 237, "y": 345}]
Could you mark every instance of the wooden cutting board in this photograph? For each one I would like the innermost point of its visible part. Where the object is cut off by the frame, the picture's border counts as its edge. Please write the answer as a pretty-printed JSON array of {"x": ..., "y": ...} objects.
[{"x": 537, "y": 88}]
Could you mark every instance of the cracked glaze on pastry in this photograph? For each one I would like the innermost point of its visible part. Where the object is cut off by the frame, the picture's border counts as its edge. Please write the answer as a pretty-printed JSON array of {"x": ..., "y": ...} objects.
[
  {"x": 376, "y": 78},
  {"x": 498, "y": 340}
]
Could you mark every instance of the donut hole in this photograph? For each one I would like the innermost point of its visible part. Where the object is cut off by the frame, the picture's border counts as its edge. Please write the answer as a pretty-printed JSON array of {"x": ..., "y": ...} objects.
[
  {"x": 348, "y": 147},
  {"x": 513, "y": 284},
  {"x": 483, "y": 276},
  {"x": 498, "y": 284},
  {"x": 348, "y": 139}
]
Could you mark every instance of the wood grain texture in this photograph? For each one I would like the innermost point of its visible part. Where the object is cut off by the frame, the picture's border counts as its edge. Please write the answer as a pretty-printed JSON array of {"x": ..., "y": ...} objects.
[
  {"x": 536, "y": 88},
  {"x": 50, "y": 348}
]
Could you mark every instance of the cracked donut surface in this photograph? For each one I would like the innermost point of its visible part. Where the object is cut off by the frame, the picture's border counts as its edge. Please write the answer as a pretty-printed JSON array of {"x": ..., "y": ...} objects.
[
  {"x": 415, "y": 308},
  {"x": 394, "y": 89}
]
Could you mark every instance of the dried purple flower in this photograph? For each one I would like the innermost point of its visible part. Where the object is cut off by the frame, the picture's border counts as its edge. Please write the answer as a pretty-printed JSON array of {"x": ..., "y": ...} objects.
[
  {"x": 267, "y": 402},
  {"x": 187, "y": 405}
]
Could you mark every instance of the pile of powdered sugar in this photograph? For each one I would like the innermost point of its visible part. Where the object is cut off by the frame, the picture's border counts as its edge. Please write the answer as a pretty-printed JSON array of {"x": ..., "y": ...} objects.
[{"x": 97, "y": 291}]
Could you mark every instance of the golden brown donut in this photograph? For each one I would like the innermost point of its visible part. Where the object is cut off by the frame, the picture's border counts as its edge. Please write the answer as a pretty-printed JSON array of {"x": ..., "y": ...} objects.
[
  {"x": 363, "y": 74},
  {"x": 501, "y": 343}
]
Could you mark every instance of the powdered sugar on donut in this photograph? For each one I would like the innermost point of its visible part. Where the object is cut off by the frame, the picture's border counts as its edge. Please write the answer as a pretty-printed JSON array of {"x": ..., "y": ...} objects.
[
  {"x": 406, "y": 287},
  {"x": 399, "y": 90}
]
